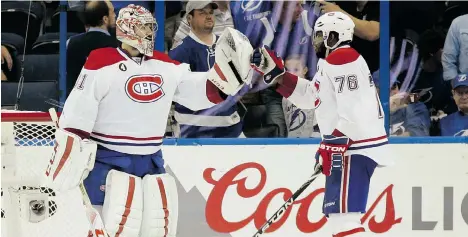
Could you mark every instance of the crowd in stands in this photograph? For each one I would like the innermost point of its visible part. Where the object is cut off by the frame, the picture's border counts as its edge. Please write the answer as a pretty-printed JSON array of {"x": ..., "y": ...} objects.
[{"x": 428, "y": 55}]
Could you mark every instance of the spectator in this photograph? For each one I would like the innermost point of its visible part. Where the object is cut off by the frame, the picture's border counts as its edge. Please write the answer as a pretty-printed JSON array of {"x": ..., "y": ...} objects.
[
  {"x": 299, "y": 122},
  {"x": 172, "y": 22},
  {"x": 290, "y": 38},
  {"x": 7, "y": 63},
  {"x": 223, "y": 19},
  {"x": 456, "y": 124},
  {"x": 408, "y": 117},
  {"x": 247, "y": 15},
  {"x": 366, "y": 17},
  {"x": 198, "y": 50},
  {"x": 100, "y": 17},
  {"x": 432, "y": 89},
  {"x": 455, "y": 55}
]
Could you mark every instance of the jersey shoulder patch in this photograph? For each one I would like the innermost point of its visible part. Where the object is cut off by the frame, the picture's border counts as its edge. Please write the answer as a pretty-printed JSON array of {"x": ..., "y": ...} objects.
[
  {"x": 342, "y": 56},
  {"x": 162, "y": 57},
  {"x": 103, "y": 57}
]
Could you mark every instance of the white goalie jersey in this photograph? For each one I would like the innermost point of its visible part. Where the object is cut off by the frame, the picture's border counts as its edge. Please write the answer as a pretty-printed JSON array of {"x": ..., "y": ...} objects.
[
  {"x": 124, "y": 104},
  {"x": 345, "y": 99}
]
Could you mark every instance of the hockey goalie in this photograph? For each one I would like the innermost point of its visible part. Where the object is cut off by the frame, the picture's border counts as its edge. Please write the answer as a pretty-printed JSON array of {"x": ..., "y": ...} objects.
[{"x": 110, "y": 132}]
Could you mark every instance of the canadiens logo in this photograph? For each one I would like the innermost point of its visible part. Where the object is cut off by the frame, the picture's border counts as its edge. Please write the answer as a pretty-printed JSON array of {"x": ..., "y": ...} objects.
[{"x": 144, "y": 88}]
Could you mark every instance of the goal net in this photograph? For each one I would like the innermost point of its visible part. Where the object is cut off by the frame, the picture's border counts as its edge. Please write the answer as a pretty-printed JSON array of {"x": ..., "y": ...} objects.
[{"x": 29, "y": 207}]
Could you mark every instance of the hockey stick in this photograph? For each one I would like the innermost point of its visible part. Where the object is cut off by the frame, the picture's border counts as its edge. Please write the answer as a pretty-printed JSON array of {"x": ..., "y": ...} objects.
[
  {"x": 90, "y": 209},
  {"x": 289, "y": 202}
]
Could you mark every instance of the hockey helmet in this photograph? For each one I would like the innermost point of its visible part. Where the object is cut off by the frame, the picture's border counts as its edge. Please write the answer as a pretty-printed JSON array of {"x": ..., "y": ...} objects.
[
  {"x": 136, "y": 27},
  {"x": 337, "y": 22}
]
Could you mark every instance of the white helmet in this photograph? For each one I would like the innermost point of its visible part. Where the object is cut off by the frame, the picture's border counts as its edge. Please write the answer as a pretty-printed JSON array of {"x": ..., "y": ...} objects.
[
  {"x": 335, "y": 22},
  {"x": 136, "y": 27}
]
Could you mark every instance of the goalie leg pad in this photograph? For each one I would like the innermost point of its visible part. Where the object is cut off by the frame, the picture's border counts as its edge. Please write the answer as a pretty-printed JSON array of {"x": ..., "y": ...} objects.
[
  {"x": 161, "y": 206},
  {"x": 123, "y": 204},
  {"x": 71, "y": 161}
]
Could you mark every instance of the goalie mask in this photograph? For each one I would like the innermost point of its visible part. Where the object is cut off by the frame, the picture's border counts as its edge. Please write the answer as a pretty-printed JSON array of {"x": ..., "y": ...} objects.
[
  {"x": 337, "y": 22},
  {"x": 136, "y": 27}
]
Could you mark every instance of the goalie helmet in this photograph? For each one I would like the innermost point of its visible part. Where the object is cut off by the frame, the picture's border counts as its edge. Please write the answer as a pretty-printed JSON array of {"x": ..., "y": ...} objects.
[
  {"x": 136, "y": 27},
  {"x": 337, "y": 22}
]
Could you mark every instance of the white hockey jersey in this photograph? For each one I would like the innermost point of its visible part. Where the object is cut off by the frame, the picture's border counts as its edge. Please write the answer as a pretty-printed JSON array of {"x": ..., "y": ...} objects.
[
  {"x": 124, "y": 105},
  {"x": 345, "y": 99}
]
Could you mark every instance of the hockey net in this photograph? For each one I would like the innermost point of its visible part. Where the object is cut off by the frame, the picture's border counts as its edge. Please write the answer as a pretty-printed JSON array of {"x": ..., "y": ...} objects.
[{"x": 29, "y": 207}]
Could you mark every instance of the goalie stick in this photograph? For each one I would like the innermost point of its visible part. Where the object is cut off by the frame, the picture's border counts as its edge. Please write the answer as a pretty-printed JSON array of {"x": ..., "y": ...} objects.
[
  {"x": 289, "y": 202},
  {"x": 92, "y": 212}
]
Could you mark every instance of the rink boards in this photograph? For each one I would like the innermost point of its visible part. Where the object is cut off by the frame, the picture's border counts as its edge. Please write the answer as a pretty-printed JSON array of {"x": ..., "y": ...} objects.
[
  {"x": 230, "y": 190},
  {"x": 233, "y": 189}
]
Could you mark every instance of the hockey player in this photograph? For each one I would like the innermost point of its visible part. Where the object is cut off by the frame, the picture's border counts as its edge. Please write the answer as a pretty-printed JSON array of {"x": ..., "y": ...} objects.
[
  {"x": 121, "y": 101},
  {"x": 349, "y": 115},
  {"x": 198, "y": 50}
]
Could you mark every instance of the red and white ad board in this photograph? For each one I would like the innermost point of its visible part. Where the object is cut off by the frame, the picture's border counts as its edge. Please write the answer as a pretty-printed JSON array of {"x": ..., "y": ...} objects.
[{"x": 231, "y": 191}]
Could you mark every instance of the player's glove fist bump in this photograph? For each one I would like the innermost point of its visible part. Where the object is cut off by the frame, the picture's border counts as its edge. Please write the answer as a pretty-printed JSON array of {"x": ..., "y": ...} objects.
[{"x": 268, "y": 63}]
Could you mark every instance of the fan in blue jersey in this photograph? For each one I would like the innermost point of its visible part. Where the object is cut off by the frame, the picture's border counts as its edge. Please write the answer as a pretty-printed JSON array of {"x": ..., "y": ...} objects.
[
  {"x": 198, "y": 50},
  {"x": 456, "y": 124}
]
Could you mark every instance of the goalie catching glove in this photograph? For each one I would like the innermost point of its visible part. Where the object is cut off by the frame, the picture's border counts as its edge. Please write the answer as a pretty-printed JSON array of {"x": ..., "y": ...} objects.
[
  {"x": 232, "y": 62},
  {"x": 71, "y": 161}
]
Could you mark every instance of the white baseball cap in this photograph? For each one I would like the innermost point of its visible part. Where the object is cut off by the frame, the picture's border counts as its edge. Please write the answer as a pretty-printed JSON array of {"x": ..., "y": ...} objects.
[{"x": 197, "y": 5}]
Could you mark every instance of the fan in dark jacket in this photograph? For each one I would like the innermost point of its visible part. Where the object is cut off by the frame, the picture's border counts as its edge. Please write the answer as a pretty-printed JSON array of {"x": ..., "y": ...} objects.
[{"x": 99, "y": 18}]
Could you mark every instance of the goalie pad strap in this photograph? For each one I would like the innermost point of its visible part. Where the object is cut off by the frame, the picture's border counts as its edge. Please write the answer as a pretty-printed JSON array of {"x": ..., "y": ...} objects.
[{"x": 123, "y": 204}]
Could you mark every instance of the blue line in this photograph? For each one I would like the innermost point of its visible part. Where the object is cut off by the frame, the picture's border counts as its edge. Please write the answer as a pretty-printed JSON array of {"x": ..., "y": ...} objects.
[{"x": 385, "y": 60}]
